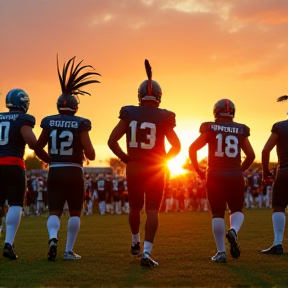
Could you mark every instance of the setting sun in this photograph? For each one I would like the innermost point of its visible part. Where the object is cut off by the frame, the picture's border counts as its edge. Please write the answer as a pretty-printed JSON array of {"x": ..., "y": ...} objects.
[
  {"x": 187, "y": 132},
  {"x": 175, "y": 165}
]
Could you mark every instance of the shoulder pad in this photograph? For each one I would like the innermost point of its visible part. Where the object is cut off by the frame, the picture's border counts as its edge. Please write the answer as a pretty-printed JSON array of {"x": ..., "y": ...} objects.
[
  {"x": 124, "y": 112},
  {"x": 28, "y": 119},
  {"x": 246, "y": 130},
  {"x": 45, "y": 122},
  {"x": 204, "y": 127},
  {"x": 85, "y": 124},
  {"x": 171, "y": 118}
]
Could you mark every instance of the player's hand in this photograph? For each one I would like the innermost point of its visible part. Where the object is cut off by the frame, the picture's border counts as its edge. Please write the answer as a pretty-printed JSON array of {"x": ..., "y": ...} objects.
[
  {"x": 125, "y": 159},
  {"x": 266, "y": 176},
  {"x": 44, "y": 165},
  {"x": 201, "y": 174}
]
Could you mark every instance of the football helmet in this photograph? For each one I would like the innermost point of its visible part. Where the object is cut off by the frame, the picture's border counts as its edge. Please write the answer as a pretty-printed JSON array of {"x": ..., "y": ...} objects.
[
  {"x": 224, "y": 108},
  {"x": 156, "y": 91},
  {"x": 67, "y": 104},
  {"x": 17, "y": 99},
  {"x": 149, "y": 89},
  {"x": 68, "y": 101}
]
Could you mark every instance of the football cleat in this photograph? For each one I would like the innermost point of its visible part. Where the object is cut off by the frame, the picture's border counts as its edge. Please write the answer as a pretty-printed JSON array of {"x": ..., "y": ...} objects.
[
  {"x": 52, "y": 252},
  {"x": 8, "y": 252},
  {"x": 275, "y": 249},
  {"x": 147, "y": 261},
  {"x": 220, "y": 257},
  {"x": 70, "y": 255},
  {"x": 135, "y": 250},
  {"x": 234, "y": 247}
]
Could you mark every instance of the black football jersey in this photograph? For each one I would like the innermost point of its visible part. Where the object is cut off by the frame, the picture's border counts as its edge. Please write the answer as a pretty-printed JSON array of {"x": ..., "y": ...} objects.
[
  {"x": 11, "y": 140},
  {"x": 224, "y": 144},
  {"x": 146, "y": 130},
  {"x": 64, "y": 144},
  {"x": 281, "y": 128}
]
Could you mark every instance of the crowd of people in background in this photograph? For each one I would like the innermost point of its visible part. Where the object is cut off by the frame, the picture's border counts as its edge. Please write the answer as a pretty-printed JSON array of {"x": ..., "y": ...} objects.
[{"x": 108, "y": 194}]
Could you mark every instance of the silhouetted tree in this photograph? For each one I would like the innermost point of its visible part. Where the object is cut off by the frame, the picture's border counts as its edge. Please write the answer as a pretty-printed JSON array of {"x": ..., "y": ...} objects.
[{"x": 117, "y": 165}]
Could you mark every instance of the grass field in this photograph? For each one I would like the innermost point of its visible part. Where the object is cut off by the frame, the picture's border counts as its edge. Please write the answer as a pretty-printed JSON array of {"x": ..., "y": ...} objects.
[{"x": 183, "y": 247}]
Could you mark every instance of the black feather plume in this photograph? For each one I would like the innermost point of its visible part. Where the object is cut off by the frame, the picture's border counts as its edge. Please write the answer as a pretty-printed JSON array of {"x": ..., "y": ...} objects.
[
  {"x": 70, "y": 80},
  {"x": 148, "y": 69},
  {"x": 149, "y": 75},
  {"x": 282, "y": 98}
]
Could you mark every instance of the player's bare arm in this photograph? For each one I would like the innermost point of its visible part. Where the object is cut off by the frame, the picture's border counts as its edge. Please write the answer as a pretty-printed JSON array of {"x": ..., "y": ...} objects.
[
  {"x": 271, "y": 142},
  {"x": 249, "y": 152},
  {"x": 29, "y": 136},
  {"x": 31, "y": 140},
  {"x": 175, "y": 144},
  {"x": 115, "y": 136},
  {"x": 199, "y": 143},
  {"x": 87, "y": 144},
  {"x": 41, "y": 143}
]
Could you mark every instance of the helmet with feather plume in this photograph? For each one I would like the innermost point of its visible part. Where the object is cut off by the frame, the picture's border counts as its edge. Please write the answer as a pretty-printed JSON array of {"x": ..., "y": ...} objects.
[
  {"x": 71, "y": 82},
  {"x": 149, "y": 89},
  {"x": 224, "y": 108}
]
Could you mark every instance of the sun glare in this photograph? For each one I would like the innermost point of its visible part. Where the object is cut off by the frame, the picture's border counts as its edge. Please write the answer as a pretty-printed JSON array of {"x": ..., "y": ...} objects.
[
  {"x": 175, "y": 165},
  {"x": 186, "y": 137}
]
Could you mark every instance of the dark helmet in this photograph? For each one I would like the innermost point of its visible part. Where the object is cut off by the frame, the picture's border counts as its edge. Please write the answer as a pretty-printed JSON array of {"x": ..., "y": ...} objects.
[
  {"x": 71, "y": 82},
  {"x": 17, "y": 99},
  {"x": 67, "y": 104},
  {"x": 155, "y": 94},
  {"x": 149, "y": 89},
  {"x": 224, "y": 108}
]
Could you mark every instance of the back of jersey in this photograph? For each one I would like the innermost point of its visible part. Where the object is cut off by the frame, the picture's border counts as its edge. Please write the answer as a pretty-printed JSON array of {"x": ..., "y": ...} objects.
[
  {"x": 224, "y": 144},
  {"x": 65, "y": 143},
  {"x": 146, "y": 130},
  {"x": 11, "y": 140}
]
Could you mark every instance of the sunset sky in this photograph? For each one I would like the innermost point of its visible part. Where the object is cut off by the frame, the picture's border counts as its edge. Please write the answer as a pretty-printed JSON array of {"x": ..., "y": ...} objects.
[{"x": 200, "y": 51}]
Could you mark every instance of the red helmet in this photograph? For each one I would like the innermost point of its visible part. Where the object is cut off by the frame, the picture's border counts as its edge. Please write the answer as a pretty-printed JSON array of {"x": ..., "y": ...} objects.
[
  {"x": 155, "y": 94},
  {"x": 224, "y": 108},
  {"x": 149, "y": 89}
]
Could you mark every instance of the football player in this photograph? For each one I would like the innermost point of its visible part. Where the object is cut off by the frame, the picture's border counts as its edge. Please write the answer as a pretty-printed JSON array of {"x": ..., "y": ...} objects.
[
  {"x": 101, "y": 188},
  {"x": 69, "y": 144},
  {"x": 15, "y": 132},
  {"x": 278, "y": 138},
  {"x": 224, "y": 179},
  {"x": 146, "y": 126}
]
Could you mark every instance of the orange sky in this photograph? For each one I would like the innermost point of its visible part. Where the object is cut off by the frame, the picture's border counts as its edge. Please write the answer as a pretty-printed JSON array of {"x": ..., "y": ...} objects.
[{"x": 200, "y": 51}]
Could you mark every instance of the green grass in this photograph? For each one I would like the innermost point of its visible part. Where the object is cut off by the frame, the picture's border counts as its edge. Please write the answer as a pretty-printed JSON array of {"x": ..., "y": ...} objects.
[{"x": 183, "y": 247}]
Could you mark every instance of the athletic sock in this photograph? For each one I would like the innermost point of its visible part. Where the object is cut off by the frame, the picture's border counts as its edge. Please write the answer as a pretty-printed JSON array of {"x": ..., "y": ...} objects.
[
  {"x": 278, "y": 219},
  {"x": 135, "y": 238},
  {"x": 13, "y": 219},
  {"x": 72, "y": 232},
  {"x": 53, "y": 226},
  {"x": 236, "y": 220},
  {"x": 147, "y": 247},
  {"x": 218, "y": 228}
]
